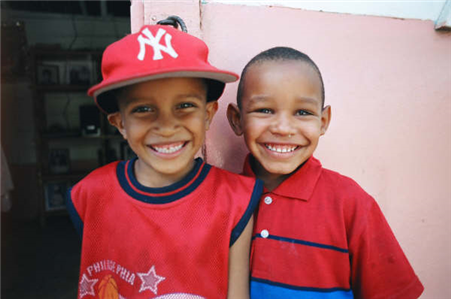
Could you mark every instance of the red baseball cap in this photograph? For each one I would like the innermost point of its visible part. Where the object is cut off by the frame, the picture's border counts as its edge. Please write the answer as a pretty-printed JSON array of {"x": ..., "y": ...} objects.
[{"x": 155, "y": 52}]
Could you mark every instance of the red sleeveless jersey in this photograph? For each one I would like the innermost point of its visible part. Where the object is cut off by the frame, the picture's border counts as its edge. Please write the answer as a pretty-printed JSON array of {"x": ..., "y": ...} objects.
[{"x": 171, "y": 242}]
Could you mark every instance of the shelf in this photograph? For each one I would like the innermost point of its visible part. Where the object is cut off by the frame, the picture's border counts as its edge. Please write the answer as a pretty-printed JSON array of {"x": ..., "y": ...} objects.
[
  {"x": 65, "y": 176},
  {"x": 81, "y": 68},
  {"x": 57, "y": 212},
  {"x": 52, "y": 54},
  {"x": 77, "y": 135},
  {"x": 62, "y": 88}
]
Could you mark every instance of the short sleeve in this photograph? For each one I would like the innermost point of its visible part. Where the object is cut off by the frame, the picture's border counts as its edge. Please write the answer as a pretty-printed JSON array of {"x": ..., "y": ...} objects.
[{"x": 379, "y": 267}]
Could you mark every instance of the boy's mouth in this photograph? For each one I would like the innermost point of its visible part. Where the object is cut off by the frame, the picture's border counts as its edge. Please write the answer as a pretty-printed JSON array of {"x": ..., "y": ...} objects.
[
  {"x": 169, "y": 148},
  {"x": 281, "y": 148}
]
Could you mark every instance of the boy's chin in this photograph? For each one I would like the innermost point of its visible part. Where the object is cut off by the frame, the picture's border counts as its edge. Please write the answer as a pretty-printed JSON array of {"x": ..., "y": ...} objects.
[
  {"x": 280, "y": 168},
  {"x": 281, "y": 171}
]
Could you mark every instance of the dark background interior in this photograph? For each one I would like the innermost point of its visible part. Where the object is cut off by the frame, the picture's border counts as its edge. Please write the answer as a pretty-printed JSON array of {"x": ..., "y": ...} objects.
[{"x": 40, "y": 255}]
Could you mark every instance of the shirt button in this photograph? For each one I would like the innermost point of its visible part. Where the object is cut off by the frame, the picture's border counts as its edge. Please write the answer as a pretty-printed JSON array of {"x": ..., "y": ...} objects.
[
  {"x": 264, "y": 233},
  {"x": 268, "y": 200}
]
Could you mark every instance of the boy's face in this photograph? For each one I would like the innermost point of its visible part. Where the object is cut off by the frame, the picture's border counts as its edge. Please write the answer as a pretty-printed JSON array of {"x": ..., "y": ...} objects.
[
  {"x": 281, "y": 115},
  {"x": 164, "y": 121}
]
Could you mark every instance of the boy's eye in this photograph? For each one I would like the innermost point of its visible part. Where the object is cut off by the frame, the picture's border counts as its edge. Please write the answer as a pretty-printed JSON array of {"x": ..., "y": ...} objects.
[
  {"x": 303, "y": 112},
  {"x": 185, "y": 105},
  {"x": 264, "y": 111},
  {"x": 142, "y": 109}
]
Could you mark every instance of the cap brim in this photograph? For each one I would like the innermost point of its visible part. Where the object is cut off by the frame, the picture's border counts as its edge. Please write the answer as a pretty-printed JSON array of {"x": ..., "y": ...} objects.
[{"x": 216, "y": 84}]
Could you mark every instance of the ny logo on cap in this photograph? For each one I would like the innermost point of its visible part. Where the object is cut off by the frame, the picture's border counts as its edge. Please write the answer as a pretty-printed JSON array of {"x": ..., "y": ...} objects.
[{"x": 154, "y": 42}]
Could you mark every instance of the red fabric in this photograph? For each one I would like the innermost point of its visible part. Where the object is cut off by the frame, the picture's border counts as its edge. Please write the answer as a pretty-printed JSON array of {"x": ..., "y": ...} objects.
[
  {"x": 345, "y": 240},
  {"x": 167, "y": 52},
  {"x": 177, "y": 247}
]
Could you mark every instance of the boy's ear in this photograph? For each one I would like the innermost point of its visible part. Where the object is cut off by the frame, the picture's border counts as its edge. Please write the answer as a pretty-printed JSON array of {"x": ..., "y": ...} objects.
[
  {"x": 326, "y": 115},
  {"x": 212, "y": 107},
  {"x": 234, "y": 117},
  {"x": 115, "y": 119}
]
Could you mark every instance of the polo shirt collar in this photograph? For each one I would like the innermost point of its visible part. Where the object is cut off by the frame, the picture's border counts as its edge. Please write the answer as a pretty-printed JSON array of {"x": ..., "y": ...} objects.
[{"x": 299, "y": 185}]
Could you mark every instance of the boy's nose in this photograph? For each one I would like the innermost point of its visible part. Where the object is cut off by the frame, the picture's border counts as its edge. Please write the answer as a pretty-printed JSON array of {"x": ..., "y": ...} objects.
[
  {"x": 166, "y": 124},
  {"x": 282, "y": 125}
]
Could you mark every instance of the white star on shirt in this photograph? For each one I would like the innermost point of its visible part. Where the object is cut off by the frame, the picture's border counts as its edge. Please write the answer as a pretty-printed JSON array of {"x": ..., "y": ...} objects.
[
  {"x": 150, "y": 280},
  {"x": 87, "y": 286}
]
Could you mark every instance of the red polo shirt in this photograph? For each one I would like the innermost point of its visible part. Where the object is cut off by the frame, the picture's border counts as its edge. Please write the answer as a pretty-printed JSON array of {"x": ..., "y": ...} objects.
[{"x": 320, "y": 235}]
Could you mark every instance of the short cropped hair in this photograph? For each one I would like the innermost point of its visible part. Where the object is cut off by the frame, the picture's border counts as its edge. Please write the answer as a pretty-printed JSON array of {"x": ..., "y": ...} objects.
[{"x": 278, "y": 54}]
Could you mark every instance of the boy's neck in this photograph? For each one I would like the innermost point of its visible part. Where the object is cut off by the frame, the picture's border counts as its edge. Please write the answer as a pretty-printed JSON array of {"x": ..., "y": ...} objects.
[
  {"x": 270, "y": 180},
  {"x": 148, "y": 177}
]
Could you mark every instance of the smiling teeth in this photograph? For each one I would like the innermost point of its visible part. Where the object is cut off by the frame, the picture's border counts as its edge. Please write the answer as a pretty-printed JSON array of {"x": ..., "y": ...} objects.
[
  {"x": 167, "y": 150},
  {"x": 281, "y": 149}
]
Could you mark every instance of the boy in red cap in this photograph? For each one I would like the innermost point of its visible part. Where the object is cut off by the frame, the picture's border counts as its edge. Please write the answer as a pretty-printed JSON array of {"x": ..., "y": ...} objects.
[
  {"x": 317, "y": 234},
  {"x": 162, "y": 225}
]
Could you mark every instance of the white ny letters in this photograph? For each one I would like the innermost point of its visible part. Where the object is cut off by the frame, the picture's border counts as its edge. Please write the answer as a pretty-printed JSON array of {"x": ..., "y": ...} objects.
[{"x": 154, "y": 42}]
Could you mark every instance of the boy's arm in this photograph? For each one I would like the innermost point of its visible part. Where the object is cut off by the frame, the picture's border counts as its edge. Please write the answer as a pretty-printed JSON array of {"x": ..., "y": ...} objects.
[{"x": 239, "y": 264}]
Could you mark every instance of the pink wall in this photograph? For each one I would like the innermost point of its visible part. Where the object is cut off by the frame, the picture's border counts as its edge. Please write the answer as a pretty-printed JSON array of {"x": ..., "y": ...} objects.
[{"x": 389, "y": 84}]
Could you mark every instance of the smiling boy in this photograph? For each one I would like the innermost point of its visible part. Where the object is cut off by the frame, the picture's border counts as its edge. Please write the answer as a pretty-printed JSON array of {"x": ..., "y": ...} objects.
[
  {"x": 162, "y": 225},
  {"x": 317, "y": 234},
  {"x": 177, "y": 112}
]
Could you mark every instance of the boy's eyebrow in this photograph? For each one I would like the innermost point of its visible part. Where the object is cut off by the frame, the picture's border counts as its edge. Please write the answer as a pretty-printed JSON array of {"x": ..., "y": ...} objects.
[
  {"x": 258, "y": 98},
  {"x": 262, "y": 98},
  {"x": 306, "y": 99},
  {"x": 191, "y": 95},
  {"x": 183, "y": 95}
]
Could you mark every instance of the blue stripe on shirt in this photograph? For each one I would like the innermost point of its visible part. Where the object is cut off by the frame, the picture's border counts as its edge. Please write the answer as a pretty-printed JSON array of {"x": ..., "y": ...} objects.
[
  {"x": 302, "y": 242},
  {"x": 262, "y": 289}
]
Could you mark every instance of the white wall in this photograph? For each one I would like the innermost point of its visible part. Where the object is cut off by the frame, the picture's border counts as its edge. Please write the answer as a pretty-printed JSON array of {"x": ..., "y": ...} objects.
[
  {"x": 389, "y": 84},
  {"x": 406, "y": 9}
]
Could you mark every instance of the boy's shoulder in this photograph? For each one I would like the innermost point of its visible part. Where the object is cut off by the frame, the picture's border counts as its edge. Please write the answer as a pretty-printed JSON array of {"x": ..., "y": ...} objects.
[
  {"x": 345, "y": 183},
  {"x": 327, "y": 184},
  {"x": 231, "y": 175},
  {"x": 103, "y": 170},
  {"x": 338, "y": 187},
  {"x": 224, "y": 177},
  {"x": 313, "y": 176},
  {"x": 101, "y": 174}
]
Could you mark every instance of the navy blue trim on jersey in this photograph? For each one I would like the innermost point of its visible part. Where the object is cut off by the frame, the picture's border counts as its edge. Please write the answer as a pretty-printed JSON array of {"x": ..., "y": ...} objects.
[
  {"x": 73, "y": 214},
  {"x": 241, "y": 225},
  {"x": 156, "y": 195},
  {"x": 262, "y": 288},
  {"x": 302, "y": 242}
]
